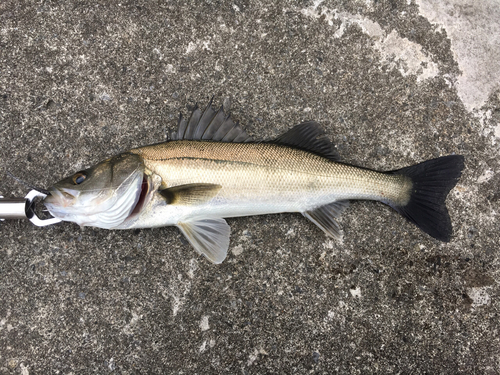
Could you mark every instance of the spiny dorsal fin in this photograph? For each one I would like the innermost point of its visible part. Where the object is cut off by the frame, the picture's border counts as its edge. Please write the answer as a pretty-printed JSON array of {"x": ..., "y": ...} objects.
[
  {"x": 209, "y": 237},
  {"x": 209, "y": 125},
  {"x": 305, "y": 136},
  {"x": 190, "y": 193},
  {"x": 324, "y": 217}
]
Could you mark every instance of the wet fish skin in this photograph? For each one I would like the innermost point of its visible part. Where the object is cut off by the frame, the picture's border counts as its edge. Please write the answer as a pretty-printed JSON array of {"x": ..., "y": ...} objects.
[
  {"x": 211, "y": 170},
  {"x": 259, "y": 178}
]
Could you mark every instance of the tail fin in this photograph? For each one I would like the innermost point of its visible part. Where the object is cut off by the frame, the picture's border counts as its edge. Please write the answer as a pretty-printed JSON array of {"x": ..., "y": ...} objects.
[{"x": 432, "y": 181}]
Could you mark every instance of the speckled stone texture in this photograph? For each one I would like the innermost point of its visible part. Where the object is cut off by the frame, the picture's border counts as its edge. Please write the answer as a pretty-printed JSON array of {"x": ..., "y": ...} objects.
[{"x": 81, "y": 81}]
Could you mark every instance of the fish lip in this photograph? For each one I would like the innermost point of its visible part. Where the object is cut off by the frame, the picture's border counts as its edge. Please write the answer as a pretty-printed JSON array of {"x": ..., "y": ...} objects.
[
  {"x": 55, "y": 202},
  {"x": 54, "y": 196},
  {"x": 59, "y": 200},
  {"x": 60, "y": 196}
]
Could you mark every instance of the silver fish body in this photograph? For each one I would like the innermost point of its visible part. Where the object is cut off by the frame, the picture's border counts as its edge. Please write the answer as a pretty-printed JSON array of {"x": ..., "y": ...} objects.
[
  {"x": 211, "y": 170},
  {"x": 256, "y": 179}
]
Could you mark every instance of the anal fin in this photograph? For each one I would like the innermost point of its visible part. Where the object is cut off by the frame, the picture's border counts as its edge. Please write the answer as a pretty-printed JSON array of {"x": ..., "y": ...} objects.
[
  {"x": 325, "y": 217},
  {"x": 209, "y": 237}
]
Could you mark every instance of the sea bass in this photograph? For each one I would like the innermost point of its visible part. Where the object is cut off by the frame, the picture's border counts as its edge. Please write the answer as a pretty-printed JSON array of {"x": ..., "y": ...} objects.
[{"x": 210, "y": 169}]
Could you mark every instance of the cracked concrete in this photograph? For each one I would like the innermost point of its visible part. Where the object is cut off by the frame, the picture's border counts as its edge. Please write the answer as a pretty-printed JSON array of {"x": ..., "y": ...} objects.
[{"x": 393, "y": 83}]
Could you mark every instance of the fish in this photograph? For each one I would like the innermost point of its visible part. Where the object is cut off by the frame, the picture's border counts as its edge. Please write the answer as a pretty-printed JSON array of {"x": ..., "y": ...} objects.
[{"x": 210, "y": 169}]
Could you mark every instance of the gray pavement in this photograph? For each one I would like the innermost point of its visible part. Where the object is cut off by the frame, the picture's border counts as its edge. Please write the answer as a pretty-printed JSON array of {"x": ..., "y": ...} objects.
[{"x": 393, "y": 83}]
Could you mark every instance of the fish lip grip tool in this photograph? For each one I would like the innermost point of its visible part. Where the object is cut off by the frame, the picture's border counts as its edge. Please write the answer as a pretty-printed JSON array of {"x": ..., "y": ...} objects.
[{"x": 23, "y": 208}]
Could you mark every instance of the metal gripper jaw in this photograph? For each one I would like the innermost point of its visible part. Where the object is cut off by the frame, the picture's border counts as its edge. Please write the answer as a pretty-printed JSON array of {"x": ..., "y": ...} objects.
[{"x": 23, "y": 208}]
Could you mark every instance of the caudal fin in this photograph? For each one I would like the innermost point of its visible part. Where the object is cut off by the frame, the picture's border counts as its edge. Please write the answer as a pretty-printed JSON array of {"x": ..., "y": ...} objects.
[{"x": 432, "y": 181}]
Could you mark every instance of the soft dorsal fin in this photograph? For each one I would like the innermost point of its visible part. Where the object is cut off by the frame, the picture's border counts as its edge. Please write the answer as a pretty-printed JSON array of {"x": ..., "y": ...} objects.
[
  {"x": 325, "y": 217},
  {"x": 209, "y": 125},
  {"x": 305, "y": 136}
]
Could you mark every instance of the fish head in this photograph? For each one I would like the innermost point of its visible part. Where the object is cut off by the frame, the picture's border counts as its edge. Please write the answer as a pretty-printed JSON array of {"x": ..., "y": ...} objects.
[{"x": 103, "y": 196}]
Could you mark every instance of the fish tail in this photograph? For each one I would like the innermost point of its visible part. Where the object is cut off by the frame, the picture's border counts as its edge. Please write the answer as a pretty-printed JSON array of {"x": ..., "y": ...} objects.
[{"x": 431, "y": 182}]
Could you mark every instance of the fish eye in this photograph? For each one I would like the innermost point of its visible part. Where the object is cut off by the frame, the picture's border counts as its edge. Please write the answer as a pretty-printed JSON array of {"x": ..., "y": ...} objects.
[{"x": 79, "y": 177}]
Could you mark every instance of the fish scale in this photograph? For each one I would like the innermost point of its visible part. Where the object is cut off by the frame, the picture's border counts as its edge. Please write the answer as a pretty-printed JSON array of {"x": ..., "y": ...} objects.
[{"x": 272, "y": 171}]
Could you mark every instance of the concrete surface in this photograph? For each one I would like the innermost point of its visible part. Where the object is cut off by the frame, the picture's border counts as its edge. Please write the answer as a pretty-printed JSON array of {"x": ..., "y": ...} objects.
[{"x": 393, "y": 82}]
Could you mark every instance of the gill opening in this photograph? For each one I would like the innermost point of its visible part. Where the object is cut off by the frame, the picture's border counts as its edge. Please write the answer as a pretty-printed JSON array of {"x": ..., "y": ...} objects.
[{"x": 142, "y": 197}]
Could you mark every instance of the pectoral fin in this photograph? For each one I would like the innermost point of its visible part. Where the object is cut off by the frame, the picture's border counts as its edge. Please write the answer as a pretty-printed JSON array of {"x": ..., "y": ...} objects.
[
  {"x": 190, "y": 193},
  {"x": 209, "y": 237},
  {"x": 324, "y": 217}
]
